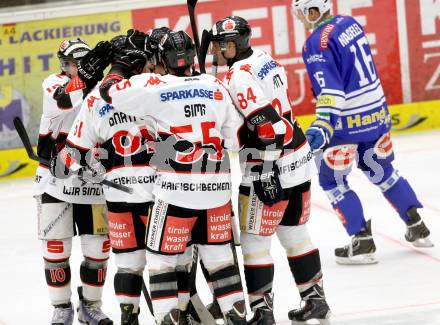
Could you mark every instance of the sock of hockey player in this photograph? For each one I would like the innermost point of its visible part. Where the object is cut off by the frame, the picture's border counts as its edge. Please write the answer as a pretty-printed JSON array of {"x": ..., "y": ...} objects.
[
  {"x": 128, "y": 283},
  {"x": 183, "y": 267},
  {"x": 128, "y": 287},
  {"x": 305, "y": 265},
  {"x": 225, "y": 276},
  {"x": 58, "y": 280},
  {"x": 56, "y": 254},
  {"x": 96, "y": 251},
  {"x": 258, "y": 267},
  {"x": 163, "y": 284},
  {"x": 399, "y": 193},
  {"x": 401, "y": 196},
  {"x": 348, "y": 207}
]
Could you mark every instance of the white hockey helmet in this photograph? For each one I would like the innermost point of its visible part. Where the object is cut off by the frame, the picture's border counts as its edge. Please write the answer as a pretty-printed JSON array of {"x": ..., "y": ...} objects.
[{"x": 303, "y": 6}]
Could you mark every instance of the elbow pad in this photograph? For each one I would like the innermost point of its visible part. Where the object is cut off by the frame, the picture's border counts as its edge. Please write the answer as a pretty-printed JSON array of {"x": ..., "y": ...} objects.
[
  {"x": 106, "y": 84},
  {"x": 270, "y": 131}
]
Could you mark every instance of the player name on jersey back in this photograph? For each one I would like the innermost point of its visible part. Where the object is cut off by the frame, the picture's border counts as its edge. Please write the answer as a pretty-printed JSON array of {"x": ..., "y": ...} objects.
[
  {"x": 195, "y": 121},
  {"x": 123, "y": 150}
]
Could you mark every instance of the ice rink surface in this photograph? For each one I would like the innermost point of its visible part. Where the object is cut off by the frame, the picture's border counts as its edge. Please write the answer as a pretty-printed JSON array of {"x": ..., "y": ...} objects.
[{"x": 403, "y": 289}]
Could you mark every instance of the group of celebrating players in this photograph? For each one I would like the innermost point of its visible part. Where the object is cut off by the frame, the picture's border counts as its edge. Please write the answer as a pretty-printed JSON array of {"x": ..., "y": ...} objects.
[{"x": 165, "y": 134}]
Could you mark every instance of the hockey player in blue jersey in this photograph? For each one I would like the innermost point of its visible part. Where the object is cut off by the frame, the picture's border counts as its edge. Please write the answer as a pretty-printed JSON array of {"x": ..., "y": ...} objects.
[{"x": 352, "y": 125}]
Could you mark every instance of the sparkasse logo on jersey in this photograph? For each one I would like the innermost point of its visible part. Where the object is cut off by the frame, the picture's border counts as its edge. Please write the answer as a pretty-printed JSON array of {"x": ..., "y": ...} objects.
[{"x": 190, "y": 94}]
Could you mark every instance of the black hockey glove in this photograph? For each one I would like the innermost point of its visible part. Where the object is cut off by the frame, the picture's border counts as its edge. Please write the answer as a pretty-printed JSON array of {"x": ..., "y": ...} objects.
[
  {"x": 266, "y": 183},
  {"x": 91, "y": 67},
  {"x": 94, "y": 174}
]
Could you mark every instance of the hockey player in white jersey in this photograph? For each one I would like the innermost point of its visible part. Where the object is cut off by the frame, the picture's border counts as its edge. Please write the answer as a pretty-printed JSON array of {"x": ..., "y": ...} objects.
[
  {"x": 124, "y": 158},
  {"x": 66, "y": 207},
  {"x": 196, "y": 121},
  {"x": 275, "y": 189}
]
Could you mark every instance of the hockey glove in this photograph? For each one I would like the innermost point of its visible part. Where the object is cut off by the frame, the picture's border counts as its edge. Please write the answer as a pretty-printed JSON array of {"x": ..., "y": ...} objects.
[
  {"x": 266, "y": 183},
  {"x": 94, "y": 174},
  {"x": 319, "y": 135},
  {"x": 91, "y": 67}
]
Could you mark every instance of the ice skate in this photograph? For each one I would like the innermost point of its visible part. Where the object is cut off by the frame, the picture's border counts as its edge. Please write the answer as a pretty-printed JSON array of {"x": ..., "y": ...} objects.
[
  {"x": 62, "y": 315},
  {"x": 90, "y": 313},
  {"x": 187, "y": 319},
  {"x": 417, "y": 233},
  {"x": 264, "y": 315},
  {"x": 360, "y": 250},
  {"x": 216, "y": 312},
  {"x": 237, "y": 315},
  {"x": 315, "y": 309},
  {"x": 172, "y": 318},
  {"x": 128, "y": 315}
]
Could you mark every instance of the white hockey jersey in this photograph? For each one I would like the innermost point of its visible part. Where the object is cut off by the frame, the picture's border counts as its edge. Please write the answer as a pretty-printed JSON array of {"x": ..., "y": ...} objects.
[
  {"x": 254, "y": 83},
  {"x": 55, "y": 124},
  {"x": 124, "y": 150},
  {"x": 195, "y": 122}
]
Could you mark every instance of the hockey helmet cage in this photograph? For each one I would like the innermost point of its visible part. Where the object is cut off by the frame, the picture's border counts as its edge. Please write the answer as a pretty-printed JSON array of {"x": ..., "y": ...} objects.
[
  {"x": 177, "y": 50},
  {"x": 118, "y": 42},
  {"x": 152, "y": 44},
  {"x": 304, "y": 6},
  {"x": 235, "y": 29}
]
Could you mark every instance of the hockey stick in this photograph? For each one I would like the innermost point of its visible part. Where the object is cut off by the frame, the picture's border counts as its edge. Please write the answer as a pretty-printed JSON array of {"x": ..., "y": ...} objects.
[
  {"x": 22, "y": 133},
  {"x": 191, "y": 10},
  {"x": 203, "y": 313},
  {"x": 147, "y": 297}
]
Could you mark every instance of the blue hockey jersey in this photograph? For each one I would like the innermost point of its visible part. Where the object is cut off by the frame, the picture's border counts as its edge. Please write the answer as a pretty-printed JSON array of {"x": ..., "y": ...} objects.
[{"x": 345, "y": 82}]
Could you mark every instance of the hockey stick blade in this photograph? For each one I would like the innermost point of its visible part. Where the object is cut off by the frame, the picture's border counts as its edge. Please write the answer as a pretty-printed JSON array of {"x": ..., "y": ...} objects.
[
  {"x": 22, "y": 133},
  {"x": 203, "y": 313},
  {"x": 24, "y": 137},
  {"x": 147, "y": 297}
]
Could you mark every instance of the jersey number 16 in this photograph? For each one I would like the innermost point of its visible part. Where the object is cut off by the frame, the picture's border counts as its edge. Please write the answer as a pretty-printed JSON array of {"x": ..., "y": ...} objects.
[{"x": 367, "y": 61}]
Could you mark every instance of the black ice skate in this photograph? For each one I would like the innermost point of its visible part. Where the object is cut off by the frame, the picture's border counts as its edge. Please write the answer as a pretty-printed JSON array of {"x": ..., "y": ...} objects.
[
  {"x": 315, "y": 309},
  {"x": 187, "y": 319},
  {"x": 360, "y": 250},
  {"x": 417, "y": 233},
  {"x": 237, "y": 315},
  {"x": 216, "y": 312},
  {"x": 172, "y": 318},
  {"x": 129, "y": 316},
  {"x": 62, "y": 315},
  {"x": 264, "y": 315},
  {"x": 90, "y": 313}
]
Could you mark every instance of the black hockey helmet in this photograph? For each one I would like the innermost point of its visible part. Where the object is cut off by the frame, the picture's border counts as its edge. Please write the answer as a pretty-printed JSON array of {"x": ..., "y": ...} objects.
[
  {"x": 118, "y": 42},
  {"x": 177, "y": 51},
  {"x": 152, "y": 45},
  {"x": 232, "y": 28},
  {"x": 72, "y": 50}
]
